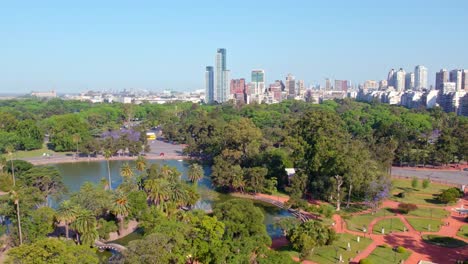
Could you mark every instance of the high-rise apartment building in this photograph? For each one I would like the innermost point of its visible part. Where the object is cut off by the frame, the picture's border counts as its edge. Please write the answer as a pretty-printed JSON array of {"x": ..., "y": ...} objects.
[
  {"x": 371, "y": 84},
  {"x": 456, "y": 76},
  {"x": 209, "y": 85},
  {"x": 221, "y": 94},
  {"x": 383, "y": 84},
  {"x": 300, "y": 87},
  {"x": 341, "y": 85},
  {"x": 441, "y": 77},
  {"x": 464, "y": 85},
  {"x": 420, "y": 77},
  {"x": 257, "y": 85},
  {"x": 399, "y": 80},
  {"x": 391, "y": 78},
  {"x": 291, "y": 85},
  {"x": 409, "y": 81}
]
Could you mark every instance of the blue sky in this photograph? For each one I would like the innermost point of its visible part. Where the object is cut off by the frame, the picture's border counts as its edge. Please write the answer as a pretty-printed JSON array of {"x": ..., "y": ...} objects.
[{"x": 160, "y": 45}]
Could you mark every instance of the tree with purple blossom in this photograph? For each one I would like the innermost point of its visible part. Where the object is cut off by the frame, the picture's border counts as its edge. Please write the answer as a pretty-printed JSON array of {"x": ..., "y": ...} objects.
[{"x": 377, "y": 192}]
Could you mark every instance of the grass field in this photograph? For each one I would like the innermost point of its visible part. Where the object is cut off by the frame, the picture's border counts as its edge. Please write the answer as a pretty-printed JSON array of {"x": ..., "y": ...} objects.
[
  {"x": 357, "y": 222},
  {"x": 422, "y": 224},
  {"x": 37, "y": 153},
  {"x": 429, "y": 212},
  {"x": 385, "y": 255},
  {"x": 330, "y": 254},
  {"x": 389, "y": 225},
  {"x": 463, "y": 232},
  {"x": 417, "y": 195}
]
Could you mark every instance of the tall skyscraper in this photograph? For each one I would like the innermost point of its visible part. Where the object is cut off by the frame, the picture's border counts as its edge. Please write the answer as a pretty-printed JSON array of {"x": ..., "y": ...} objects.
[
  {"x": 257, "y": 85},
  {"x": 400, "y": 80},
  {"x": 441, "y": 77},
  {"x": 420, "y": 77},
  {"x": 221, "y": 94},
  {"x": 209, "y": 85},
  {"x": 291, "y": 85},
  {"x": 327, "y": 84},
  {"x": 456, "y": 76},
  {"x": 391, "y": 78},
  {"x": 409, "y": 81}
]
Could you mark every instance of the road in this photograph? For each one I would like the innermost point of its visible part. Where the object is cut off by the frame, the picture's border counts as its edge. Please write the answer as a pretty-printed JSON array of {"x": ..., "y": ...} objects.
[
  {"x": 159, "y": 146},
  {"x": 456, "y": 177}
]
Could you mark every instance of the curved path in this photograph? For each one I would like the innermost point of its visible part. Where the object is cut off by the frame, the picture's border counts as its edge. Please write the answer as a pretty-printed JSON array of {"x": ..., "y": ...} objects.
[{"x": 412, "y": 239}]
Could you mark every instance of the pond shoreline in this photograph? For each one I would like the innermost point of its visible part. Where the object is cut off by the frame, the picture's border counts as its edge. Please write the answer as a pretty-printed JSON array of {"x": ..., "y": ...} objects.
[{"x": 60, "y": 160}]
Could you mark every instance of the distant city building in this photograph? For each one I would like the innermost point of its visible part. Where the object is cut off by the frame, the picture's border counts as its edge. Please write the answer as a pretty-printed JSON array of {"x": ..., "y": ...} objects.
[
  {"x": 257, "y": 85},
  {"x": 221, "y": 94},
  {"x": 399, "y": 80},
  {"x": 456, "y": 76},
  {"x": 327, "y": 84},
  {"x": 409, "y": 81},
  {"x": 300, "y": 87},
  {"x": 383, "y": 84},
  {"x": 371, "y": 84},
  {"x": 464, "y": 85},
  {"x": 391, "y": 78},
  {"x": 291, "y": 85},
  {"x": 441, "y": 77},
  {"x": 238, "y": 90},
  {"x": 341, "y": 85},
  {"x": 209, "y": 85},
  {"x": 463, "y": 110},
  {"x": 277, "y": 89},
  {"x": 420, "y": 77},
  {"x": 50, "y": 94}
]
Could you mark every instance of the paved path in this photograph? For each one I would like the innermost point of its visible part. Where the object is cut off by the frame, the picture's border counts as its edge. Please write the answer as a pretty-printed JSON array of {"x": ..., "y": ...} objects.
[{"x": 412, "y": 239}]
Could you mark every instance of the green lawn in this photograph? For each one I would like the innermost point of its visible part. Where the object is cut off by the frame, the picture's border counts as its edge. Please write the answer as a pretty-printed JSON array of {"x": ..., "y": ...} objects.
[
  {"x": 391, "y": 224},
  {"x": 385, "y": 255},
  {"x": 427, "y": 212},
  {"x": 37, "y": 153},
  {"x": 442, "y": 241},
  {"x": 422, "y": 224},
  {"x": 357, "y": 222},
  {"x": 463, "y": 232},
  {"x": 417, "y": 195},
  {"x": 400, "y": 185},
  {"x": 328, "y": 254}
]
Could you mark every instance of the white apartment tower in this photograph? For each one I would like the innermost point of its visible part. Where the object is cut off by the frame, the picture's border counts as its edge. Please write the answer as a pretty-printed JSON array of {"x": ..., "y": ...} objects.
[{"x": 420, "y": 77}]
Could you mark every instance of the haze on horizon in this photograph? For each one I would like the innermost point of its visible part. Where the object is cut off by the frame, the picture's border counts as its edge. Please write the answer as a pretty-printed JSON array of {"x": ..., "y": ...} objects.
[{"x": 158, "y": 45}]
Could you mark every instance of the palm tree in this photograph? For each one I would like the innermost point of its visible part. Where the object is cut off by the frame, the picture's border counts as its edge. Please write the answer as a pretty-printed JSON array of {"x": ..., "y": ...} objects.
[
  {"x": 195, "y": 172},
  {"x": 66, "y": 213},
  {"x": 76, "y": 139},
  {"x": 15, "y": 197},
  {"x": 107, "y": 156},
  {"x": 120, "y": 209},
  {"x": 126, "y": 171},
  {"x": 10, "y": 149},
  {"x": 141, "y": 164},
  {"x": 85, "y": 225},
  {"x": 157, "y": 190}
]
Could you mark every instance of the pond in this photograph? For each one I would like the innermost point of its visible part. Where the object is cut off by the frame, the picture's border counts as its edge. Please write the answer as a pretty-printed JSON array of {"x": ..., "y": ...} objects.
[{"x": 76, "y": 174}]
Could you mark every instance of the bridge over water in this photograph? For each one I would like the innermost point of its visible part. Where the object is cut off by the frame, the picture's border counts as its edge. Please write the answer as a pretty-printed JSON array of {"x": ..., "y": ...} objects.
[
  {"x": 112, "y": 246},
  {"x": 298, "y": 214}
]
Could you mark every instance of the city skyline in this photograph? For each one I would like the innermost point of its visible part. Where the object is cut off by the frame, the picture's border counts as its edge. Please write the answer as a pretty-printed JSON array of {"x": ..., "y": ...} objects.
[{"x": 108, "y": 45}]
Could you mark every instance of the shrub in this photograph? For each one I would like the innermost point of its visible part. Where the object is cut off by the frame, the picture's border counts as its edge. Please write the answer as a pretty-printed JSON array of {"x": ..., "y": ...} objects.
[
  {"x": 400, "y": 249},
  {"x": 405, "y": 208},
  {"x": 426, "y": 183},
  {"x": 450, "y": 195},
  {"x": 326, "y": 210},
  {"x": 365, "y": 261},
  {"x": 414, "y": 182}
]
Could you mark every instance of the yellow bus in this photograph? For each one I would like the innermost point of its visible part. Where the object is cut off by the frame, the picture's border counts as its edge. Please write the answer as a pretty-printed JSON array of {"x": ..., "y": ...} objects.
[{"x": 150, "y": 136}]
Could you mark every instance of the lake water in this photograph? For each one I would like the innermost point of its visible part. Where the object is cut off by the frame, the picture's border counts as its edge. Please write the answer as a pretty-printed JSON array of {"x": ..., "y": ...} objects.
[{"x": 76, "y": 174}]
